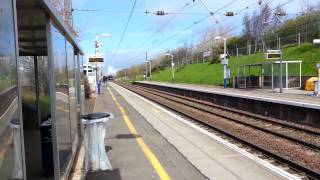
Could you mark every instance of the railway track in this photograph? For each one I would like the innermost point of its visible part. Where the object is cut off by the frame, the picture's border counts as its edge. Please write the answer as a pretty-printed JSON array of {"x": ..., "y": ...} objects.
[
  {"x": 6, "y": 99},
  {"x": 297, "y": 146},
  {"x": 311, "y": 138}
]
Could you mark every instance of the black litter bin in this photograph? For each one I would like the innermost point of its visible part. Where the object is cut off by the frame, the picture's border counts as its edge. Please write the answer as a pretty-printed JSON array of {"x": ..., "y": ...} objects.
[
  {"x": 46, "y": 146},
  {"x": 95, "y": 116},
  {"x": 94, "y": 133}
]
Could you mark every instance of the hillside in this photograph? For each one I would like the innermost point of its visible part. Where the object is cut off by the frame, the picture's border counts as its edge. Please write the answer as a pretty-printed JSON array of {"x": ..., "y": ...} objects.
[{"x": 206, "y": 73}]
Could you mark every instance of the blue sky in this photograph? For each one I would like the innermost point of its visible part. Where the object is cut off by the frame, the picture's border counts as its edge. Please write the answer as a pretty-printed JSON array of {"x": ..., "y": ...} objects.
[{"x": 110, "y": 16}]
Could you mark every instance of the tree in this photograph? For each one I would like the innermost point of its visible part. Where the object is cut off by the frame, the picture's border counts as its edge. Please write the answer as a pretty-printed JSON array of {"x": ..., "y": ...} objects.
[
  {"x": 306, "y": 6},
  {"x": 247, "y": 30}
]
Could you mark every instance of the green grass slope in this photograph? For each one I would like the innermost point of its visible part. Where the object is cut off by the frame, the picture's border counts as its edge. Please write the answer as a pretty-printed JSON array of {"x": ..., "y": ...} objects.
[{"x": 206, "y": 73}]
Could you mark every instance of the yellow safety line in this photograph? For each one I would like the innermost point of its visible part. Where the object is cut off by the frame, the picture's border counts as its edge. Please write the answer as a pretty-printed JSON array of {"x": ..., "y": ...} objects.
[{"x": 146, "y": 150}]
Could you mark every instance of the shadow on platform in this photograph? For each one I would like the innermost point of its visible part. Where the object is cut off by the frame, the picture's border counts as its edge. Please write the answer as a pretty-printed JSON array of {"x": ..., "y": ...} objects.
[
  {"x": 103, "y": 175},
  {"x": 108, "y": 148},
  {"x": 127, "y": 136}
]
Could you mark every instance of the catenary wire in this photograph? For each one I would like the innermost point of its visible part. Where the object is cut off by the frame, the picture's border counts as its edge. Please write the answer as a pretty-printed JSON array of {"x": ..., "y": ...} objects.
[
  {"x": 125, "y": 29},
  {"x": 193, "y": 24}
]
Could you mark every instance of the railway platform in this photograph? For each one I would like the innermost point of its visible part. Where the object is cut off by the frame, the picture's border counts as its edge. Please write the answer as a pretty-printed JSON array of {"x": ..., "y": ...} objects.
[
  {"x": 292, "y": 97},
  {"x": 146, "y": 141}
]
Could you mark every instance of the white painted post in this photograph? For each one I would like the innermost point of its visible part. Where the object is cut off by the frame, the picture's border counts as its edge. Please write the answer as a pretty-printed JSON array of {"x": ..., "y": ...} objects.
[
  {"x": 287, "y": 76},
  {"x": 245, "y": 77},
  {"x": 237, "y": 52},
  {"x": 300, "y": 77},
  {"x": 272, "y": 76}
]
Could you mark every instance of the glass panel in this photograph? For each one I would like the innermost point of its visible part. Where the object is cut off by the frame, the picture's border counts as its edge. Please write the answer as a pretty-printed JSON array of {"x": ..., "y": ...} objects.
[
  {"x": 28, "y": 92},
  {"x": 81, "y": 84},
  {"x": 72, "y": 91},
  {"x": 11, "y": 166},
  {"x": 44, "y": 92},
  {"x": 62, "y": 99}
]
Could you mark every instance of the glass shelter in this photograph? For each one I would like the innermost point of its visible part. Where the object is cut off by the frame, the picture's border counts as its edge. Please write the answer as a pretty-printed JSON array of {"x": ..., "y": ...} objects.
[{"x": 41, "y": 91}]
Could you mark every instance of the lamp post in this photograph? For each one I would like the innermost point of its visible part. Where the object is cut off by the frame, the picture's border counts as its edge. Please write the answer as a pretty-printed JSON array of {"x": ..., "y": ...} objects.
[
  {"x": 172, "y": 66},
  {"x": 317, "y": 84},
  {"x": 98, "y": 44},
  {"x": 148, "y": 62},
  {"x": 280, "y": 75},
  {"x": 97, "y": 54},
  {"x": 224, "y": 57}
]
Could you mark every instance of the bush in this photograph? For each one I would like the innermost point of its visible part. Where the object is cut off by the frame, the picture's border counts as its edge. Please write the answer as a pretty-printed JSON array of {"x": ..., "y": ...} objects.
[{"x": 87, "y": 89}]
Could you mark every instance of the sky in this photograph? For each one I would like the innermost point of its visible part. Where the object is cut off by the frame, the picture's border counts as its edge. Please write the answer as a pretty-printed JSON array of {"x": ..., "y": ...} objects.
[{"x": 184, "y": 24}]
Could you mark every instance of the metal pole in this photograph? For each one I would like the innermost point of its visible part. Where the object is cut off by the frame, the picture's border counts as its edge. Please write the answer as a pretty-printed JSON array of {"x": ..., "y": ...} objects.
[
  {"x": 225, "y": 76},
  {"x": 225, "y": 46},
  {"x": 299, "y": 37},
  {"x": 287, "y": 76},
  {"x": 279, "y": 43},
  {"x": 280, "y": 75},
  {"x": 187, "y": 57},
  {"x": 225, "y": 66},
  {"x": 237, "y": 50},
  {"x": 272, "y": 80},
  {"x": 300, "y": 76},
  {"x": 318, "y": 82},
  {"x": 172, "y": 70},
  {"x": 97, "y": 53},
  {"x": 202, "y": 57},
  {"x": 245, "y": 76},
  {"x": 150, "y": 70},
  {"x": 146, "y": 63}
]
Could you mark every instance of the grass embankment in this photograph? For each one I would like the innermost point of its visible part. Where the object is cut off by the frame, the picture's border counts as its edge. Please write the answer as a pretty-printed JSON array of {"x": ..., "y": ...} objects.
[{"x": 206, "y": 73}]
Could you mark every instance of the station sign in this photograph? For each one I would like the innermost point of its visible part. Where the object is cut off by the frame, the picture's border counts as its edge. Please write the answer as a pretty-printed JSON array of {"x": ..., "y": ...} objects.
[
  {"x": 316, "y": 41},
  {"x": 224, "y": 60},
  {"x": 96, "y": 59},
  {"x": 273, "y": 54}
]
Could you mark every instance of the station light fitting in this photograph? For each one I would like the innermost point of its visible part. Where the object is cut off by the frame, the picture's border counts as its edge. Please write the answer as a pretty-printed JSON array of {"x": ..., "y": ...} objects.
[
  {"x": 229, "y": 14},
  {"x": 281, "y": 13},
  {"x": 168, "y": 54},
  {"x": 160, "y": 13}
]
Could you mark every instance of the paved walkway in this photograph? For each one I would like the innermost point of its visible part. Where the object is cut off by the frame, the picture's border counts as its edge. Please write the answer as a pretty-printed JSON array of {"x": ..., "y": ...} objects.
[
  {"x": 215, "y": 157},
  {"x": 136, "y": 150}
]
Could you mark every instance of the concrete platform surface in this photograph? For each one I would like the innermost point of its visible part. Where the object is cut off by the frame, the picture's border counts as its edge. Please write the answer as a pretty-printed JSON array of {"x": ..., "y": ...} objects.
[
  {"x": 215, "y": 158},
  {"x": 292, "y": 97},
  {"x": 128, "y": 159}
]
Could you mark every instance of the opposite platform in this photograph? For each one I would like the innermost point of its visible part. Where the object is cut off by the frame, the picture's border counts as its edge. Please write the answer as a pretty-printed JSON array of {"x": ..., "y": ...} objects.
[{"x": 297, "y": 98}]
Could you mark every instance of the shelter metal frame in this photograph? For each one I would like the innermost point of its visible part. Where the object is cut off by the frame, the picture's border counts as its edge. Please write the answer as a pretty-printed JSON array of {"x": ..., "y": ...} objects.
[
  {"x": 38, "y": 46},
  {"x": 244, "y": 79}
]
